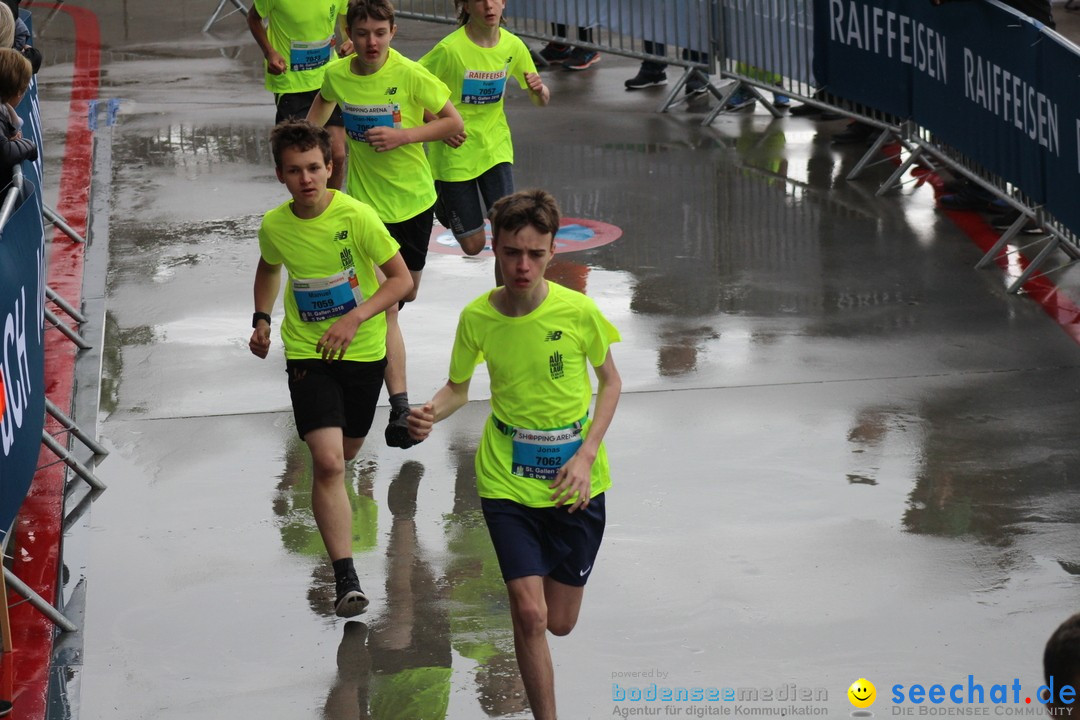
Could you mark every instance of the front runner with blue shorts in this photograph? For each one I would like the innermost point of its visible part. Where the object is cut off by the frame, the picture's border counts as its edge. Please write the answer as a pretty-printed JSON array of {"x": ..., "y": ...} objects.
[{"x": 541, "y": 467}]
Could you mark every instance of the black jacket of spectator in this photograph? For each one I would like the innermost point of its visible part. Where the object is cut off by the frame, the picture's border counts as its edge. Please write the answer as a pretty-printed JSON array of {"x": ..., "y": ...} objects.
[{"x": 12, "y": 151}]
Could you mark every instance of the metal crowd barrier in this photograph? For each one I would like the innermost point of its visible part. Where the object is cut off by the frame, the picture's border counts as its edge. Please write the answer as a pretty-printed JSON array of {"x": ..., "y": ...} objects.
[
  {"x": 680, "y": 33},
  {"x": 24, "y": 406},
  {"x": 786, "y": 46},
  {"x": 238, "y": 7},
  {"x": 767, "y": 44}
]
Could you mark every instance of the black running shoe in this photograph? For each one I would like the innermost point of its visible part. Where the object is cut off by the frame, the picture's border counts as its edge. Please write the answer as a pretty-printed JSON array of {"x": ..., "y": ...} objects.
[
  {"x": 555, "y": 52},
  {"x": 397, "y": 430},
  {"x": 645, "y": 79},
  {"x": 351, "y": 599},
  {"x": 581, "y": 59},
  {"x": 696, "y": 86}
]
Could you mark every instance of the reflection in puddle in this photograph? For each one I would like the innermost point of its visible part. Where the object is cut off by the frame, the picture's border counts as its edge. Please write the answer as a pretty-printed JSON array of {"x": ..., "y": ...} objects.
[{"x": 398, "y": 662}]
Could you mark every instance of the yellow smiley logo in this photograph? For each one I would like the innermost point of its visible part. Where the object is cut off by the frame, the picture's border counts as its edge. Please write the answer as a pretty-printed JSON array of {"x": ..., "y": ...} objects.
[{"x": 862, "y": 693}]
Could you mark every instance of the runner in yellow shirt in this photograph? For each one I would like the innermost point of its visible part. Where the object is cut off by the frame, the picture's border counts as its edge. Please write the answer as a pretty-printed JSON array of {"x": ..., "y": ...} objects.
[
  {"x": 541, "y": 467},
  {"x": 297, "y": 39},
  {"x": 334, "y": 331},
  {"x": 476, "y": 61},
  {"x": 384, "y": 97}
]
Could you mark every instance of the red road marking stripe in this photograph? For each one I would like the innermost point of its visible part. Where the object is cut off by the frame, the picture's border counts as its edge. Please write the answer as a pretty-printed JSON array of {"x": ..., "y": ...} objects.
[{"x": 38, "y": 525}]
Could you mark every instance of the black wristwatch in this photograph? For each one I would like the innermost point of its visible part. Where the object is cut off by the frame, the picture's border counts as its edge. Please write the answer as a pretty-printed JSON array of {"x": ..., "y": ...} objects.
[{"x": 257, "y": 316}]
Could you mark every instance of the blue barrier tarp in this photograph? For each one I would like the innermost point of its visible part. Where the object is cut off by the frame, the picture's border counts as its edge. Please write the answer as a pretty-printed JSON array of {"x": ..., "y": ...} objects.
[
  {"x": 22, "y": 355},
  {"x": 1058, "y": 75},
  {"x": 22, "y": 343},
  {"x": 984, "y": 79}
]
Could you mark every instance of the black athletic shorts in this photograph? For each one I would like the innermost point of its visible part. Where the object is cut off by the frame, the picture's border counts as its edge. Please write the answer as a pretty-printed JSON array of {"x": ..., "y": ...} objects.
[
  {"x": 459, "y": 205},
  {"x": 413, "y": 235},
  {"x": 296, "y": 105},
  {"x": 340, "y": 394}
]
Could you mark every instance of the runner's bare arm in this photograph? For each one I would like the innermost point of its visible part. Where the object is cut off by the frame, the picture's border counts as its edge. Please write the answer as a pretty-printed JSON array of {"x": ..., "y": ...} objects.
[
  {"x": 275, "y": 63},
  {"x": 321, "y": 110},
  {"x": 575, "y": 477},
  {"x": 448, "y": 400},
  {"x": 447, "y": 123},
  {"x": 454, "y": 141},
  {"x": 538, "y": 91},
  {"x": 267, "y": 283},
  {"x": 346, "y": 46}
]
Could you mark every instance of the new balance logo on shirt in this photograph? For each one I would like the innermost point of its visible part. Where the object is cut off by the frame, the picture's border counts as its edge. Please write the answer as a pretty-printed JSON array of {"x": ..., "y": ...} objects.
[
  {"x": 553, "y": 335},
  {"x": 341, "y": 235}
]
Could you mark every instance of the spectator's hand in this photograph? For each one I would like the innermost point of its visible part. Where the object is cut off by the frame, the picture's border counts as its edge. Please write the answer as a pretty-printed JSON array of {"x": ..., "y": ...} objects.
[
  {"x": 345, "y": 49},
  {"x": 275, "y": 63},
  {"x": 260, "y": 341},
  {"x": 384, "y": 138},
  {"x": 420, "y": 421},
  {"x": 456, "y": 141}
]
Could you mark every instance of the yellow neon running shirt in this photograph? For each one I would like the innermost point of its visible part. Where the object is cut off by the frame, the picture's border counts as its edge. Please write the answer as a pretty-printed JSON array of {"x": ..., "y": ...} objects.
[
  {"x": 302, "y": 31},
  {"x": 347, "y": 237},
  {"x": 477, "y": 78},
  {"x": 540, "y": 380},
  {"x": 397, "y": 183}
]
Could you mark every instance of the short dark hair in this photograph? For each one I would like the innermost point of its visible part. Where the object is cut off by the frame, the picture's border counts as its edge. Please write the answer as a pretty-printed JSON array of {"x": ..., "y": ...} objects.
[
  {"x": 364, "y": 9},
  {"x": 1061, "y": 658},
  {"x": 301, "y": 135},
  {"x": 537, "y": 208}
]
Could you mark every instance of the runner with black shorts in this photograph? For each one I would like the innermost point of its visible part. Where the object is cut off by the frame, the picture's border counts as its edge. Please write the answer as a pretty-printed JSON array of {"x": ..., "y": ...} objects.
[
  {"x": 334, "y": 330},
  {"x": 297, "y": 39},
  {"x": 384, "y": 97}
]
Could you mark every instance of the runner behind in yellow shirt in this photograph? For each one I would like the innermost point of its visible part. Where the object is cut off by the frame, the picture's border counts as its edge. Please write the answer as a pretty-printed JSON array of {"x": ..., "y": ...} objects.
[
  {"x": 297, "y": 40},
  {"x": 476, "y": 61},
  {"x": 334, "y": 331},
  {"x": 384, "y": 96},
  {"x": 541, "y": 468}
]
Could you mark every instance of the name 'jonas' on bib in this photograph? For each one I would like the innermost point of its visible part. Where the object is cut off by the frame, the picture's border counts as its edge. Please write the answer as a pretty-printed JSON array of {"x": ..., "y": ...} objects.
[
  {"x": 361, "y": 118},
  {"x": 482, "y": 87},
  {"x": 539, "y": 454},
  {"x": 329, "y": 297}
]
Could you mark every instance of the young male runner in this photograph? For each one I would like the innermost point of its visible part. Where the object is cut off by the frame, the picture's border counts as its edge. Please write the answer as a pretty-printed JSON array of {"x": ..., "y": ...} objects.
[
  {"x": 476, "y": 61},
  {"x": 299, "y": 45},
  {"x": 383, "y": 96},
  {"x": 541, "y": 467},
  {"x": 334, "y": 328}
]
